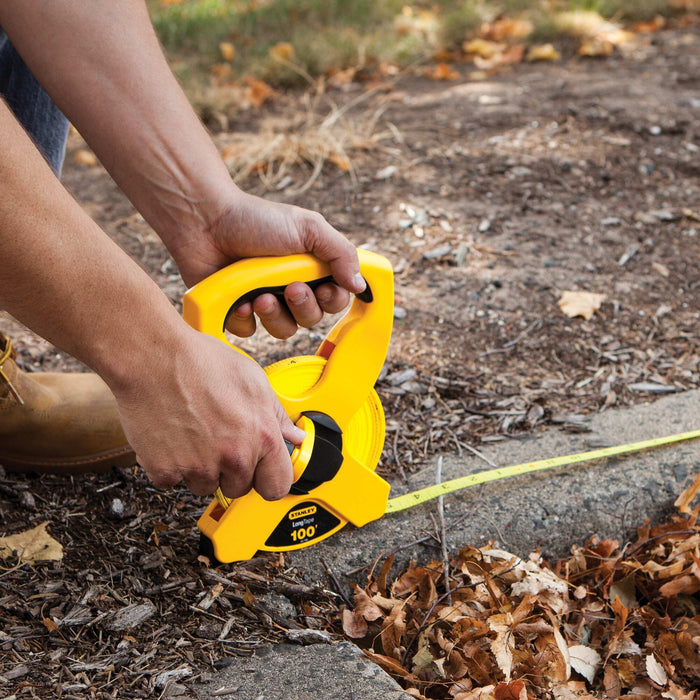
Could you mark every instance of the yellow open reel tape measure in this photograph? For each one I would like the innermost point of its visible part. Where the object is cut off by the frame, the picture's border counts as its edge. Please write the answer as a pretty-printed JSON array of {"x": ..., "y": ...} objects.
[{"x": 329, "y": 395}]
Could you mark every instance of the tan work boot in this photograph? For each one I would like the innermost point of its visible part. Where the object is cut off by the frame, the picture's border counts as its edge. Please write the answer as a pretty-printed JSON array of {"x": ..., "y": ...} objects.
[{"x": 57, "y": 423}]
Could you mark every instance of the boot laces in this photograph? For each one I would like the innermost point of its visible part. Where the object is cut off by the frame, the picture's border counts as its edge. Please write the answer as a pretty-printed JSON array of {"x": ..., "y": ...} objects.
[{"x": 5, "y": 355}]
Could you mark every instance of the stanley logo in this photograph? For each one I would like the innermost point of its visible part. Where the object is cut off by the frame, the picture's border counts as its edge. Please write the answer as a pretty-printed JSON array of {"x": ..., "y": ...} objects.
[{"x": 302, "y": 513}]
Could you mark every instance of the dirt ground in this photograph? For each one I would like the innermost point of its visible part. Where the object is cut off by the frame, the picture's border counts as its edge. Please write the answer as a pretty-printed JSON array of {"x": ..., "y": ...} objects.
[{"x": 491, "y": 198}]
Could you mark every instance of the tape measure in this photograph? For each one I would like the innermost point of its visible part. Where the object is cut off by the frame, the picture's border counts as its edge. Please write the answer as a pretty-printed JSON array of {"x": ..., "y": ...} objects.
[
  {"x": 330, "y": 395},
  {"x": 428, "y": 493}
]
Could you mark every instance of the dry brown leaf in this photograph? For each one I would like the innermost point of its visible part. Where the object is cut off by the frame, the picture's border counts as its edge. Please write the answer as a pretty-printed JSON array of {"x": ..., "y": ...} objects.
[
  {"x": 365, "y": 606},
  {"x": 32, "y": 545},
  {"x": 222, "y": 72},
  {"x": 282, "y": 51},
  {"x": 442, "y": 72},
  {"x": 85, "y": 157},
  {"x": 483, "y": 693},
  {"x": 655, "y": 670},
  {"x": 390, "y": 665},
  {"x": 584, "y": 660},
  {"x": 595, "y": 47},
  {"x": 507, "y": 28},
  {"x": 501, "y": 646},
  {"x": 257, "y": 92},
  {"x": 354, "y": 625},
  {"x": 657, "y": 23},
  {"x": 392, "y": 631},
  {"x": 576, "y": 303},
  {"x": 514, "y": 690},
  {"x": 341, "y": 78},
  {"x": 340, "y": 160},
  {"x": 543, "y": 52},
  {"x": 683, "y": 501},
  {"x": 228, "y": 50},
  {"x": 611, "y": 682},
  {"x": 483, "y": 48},
  {"x": 50, "y": 625},
  {"x": 676, "y": 693},
  {"x": 686, "y": 585}
]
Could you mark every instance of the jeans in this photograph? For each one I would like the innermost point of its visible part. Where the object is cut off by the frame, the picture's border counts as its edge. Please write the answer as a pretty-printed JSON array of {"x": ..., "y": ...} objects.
[{"x": 34, "y": 109}]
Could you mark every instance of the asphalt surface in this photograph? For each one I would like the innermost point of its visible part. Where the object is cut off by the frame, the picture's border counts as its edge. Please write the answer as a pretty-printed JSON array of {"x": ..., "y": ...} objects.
[{"x": 549, "y": 510}]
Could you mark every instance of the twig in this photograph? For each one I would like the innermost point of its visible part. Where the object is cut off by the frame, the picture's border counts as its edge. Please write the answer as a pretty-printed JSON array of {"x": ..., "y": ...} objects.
[
  {"x": 512, "y": 343},
  {"x": 336, "y": 583},
  {"x": 443, "y": 532},
  {"x": 476, "y": 452}
]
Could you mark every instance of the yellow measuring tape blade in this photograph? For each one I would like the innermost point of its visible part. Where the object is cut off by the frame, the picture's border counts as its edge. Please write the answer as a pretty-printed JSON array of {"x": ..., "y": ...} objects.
[{"x": 430, "y": 492}]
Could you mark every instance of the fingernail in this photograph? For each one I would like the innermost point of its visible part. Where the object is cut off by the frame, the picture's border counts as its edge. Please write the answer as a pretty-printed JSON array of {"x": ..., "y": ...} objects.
[
  {"x": 359, "y": 283},
  {"x": 297, "y": 297}
]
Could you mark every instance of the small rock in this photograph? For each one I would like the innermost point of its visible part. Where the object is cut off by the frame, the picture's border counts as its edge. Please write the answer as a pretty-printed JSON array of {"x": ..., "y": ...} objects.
[
  {"x": 485, "y": 225},
  {"x": 386, "y": 173},
  {"x": 461, "y": 253},
  {"x": 611, "y": 221},
  {"x": 655, "y": 130},
  {"x": 400, "y": 313},
  {"x": 26, "y": 500},
  {"x": 117, "y": 508},
  {"x": 520, "y": 171},
  {"x": 308, "y": 636},
  {"x": 664, "y": 215},
  {"x": 279, "y": 604}
]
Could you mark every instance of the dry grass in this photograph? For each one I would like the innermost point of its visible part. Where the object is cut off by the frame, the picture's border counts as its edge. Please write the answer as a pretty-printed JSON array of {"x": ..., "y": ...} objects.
[{"x": 310, "y": 142}]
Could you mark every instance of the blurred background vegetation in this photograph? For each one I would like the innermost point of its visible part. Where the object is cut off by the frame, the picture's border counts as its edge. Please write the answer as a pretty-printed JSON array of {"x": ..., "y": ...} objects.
[{"x": 286, "y": 42}]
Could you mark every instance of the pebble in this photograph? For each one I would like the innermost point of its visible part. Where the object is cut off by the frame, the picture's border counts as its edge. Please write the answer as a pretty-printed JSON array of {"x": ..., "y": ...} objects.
[
  {"x": 26, "y": 500},
  {"x": 117, "y": 508},
  {"x": 386, "y": 173},
  {"x": 400, "y": 313}
]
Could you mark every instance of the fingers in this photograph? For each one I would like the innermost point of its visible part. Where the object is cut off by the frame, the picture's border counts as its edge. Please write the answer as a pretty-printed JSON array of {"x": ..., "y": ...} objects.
[
  {"x": 329, "y": 245},
  {"x": 331, "y": 298},
  {"x": 307, "y": 308},
  {"x": 241, "y": 322}
]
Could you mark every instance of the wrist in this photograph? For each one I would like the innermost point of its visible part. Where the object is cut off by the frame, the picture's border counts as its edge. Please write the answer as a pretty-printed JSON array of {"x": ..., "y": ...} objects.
[{"x": 130, "y": 354}]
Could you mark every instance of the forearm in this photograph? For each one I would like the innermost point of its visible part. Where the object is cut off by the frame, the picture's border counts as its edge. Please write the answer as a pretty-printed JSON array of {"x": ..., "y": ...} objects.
[
  {"x": 63, "y": 277},
  {"x": 101, "y": 63}
]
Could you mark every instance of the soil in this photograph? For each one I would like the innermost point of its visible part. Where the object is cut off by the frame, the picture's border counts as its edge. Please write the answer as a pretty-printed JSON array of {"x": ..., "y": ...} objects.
[{"x": 502, "y": 194}]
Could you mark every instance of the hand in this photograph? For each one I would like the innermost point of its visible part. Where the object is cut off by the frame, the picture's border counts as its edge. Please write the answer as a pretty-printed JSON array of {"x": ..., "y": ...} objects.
[
  {"x": 208, "y": 416},
  {"x": 249, "y": 226}
]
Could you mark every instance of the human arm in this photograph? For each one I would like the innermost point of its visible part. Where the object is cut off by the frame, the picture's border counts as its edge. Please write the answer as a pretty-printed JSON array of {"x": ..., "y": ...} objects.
[
  {"x": 179, "y": 392},
  {"x": 101, "y": 63}
]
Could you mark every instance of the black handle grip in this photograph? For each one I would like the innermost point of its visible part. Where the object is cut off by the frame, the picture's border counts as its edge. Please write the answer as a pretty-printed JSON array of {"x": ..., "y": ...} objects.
[{"x": 278, "y": 292}]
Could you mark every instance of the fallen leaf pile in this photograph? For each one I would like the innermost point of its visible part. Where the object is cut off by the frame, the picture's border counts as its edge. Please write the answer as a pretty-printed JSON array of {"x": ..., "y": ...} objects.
[{"x": 611, "y": 621}]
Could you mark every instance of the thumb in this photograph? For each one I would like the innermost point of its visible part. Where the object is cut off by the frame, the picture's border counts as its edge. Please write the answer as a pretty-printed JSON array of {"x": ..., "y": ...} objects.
[{"x": 329, "y": 245}]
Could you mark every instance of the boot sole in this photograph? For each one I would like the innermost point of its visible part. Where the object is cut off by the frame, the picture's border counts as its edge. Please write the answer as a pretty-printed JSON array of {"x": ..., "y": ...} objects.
[{"x": 98, "y": 462}]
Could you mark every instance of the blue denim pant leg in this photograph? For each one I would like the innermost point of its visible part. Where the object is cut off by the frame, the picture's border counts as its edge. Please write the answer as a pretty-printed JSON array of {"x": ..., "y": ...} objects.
[{"x": 34, "y": 109}]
